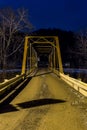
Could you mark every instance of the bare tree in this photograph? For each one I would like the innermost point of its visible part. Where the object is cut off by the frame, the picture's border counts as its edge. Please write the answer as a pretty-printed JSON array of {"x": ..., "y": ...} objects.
[
  {"x": 11, "y": 22},
  {"x": 81, "y": 45}
]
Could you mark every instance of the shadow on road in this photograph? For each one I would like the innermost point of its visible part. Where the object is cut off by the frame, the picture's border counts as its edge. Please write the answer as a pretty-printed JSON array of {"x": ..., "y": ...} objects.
[
  {"x": 6, "y": 108},
  {"x": 40, "y": 102}
]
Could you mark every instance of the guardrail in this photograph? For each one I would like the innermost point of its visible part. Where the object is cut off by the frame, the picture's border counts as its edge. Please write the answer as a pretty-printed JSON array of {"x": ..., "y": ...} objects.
[
  {"x": 8, "y": 87},
  {"x": 9, "y": 81},
  {"x": 31, "y": 72},
  {"x": 10, "y": 84},
  {"x": 75, "y": 83}
]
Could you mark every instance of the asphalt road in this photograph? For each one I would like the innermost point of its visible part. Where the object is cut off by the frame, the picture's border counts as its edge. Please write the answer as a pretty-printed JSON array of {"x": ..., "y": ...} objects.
[{"x": 46, "y": 103}]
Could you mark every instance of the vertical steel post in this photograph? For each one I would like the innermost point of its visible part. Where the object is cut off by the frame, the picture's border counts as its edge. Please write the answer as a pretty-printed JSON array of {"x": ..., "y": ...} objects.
[
  {"x": 35, "y": 58},
  {"x": 24, "y": 56},
  {"x": 59, "y": 55},
  {"x": 54, "y": 58},
  {"x": 51, "y": 61},
  {"x": 30, "y": 57}
]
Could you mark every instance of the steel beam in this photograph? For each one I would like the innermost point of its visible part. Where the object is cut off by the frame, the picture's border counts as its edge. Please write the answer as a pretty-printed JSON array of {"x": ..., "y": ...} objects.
[
  {"x": 24, "y": 55},
  {"x": 59, "y": 55}
]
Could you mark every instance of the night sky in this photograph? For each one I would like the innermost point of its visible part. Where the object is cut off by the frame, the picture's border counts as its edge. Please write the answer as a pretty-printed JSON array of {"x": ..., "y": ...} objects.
[{"x": 63, "y": 14}]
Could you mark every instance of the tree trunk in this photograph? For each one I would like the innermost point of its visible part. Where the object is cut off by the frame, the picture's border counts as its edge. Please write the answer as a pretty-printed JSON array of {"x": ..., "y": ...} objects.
[{"x": 4, "y": 67}]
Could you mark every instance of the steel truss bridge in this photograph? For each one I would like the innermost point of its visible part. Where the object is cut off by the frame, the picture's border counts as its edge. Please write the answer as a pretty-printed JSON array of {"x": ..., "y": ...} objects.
[
  {"x": 42, "y": 80},
  {"x": 46, "y": 47}
]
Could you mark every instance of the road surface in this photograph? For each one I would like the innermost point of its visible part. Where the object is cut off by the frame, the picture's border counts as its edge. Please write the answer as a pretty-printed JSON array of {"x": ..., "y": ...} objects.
[{"x": 46, "y": 103}]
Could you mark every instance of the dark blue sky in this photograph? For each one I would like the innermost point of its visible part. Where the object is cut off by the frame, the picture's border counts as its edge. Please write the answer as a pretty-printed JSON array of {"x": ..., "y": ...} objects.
[{"x": 63, "y": 14}]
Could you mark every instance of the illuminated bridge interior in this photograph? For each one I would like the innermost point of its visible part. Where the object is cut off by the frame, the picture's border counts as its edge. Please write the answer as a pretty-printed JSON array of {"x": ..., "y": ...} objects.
[{"x": 43, "y": 51}]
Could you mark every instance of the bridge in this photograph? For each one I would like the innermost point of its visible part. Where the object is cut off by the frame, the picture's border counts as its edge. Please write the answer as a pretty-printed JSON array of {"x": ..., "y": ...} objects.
[{"x": 42, "y": 97}]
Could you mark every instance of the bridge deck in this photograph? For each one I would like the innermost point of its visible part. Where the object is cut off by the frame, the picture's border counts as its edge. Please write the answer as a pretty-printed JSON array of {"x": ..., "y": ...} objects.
[{"x": 46, "y": 103}]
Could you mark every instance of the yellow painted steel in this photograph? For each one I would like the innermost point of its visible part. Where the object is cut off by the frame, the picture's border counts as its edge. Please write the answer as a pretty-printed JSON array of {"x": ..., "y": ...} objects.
[
  {"x": 54, "y": 58},
  {"x": 59, "y": 55},
  {"x": 30, "y": 57},
  {"x": 34, "y": 58},
  {"x": 24, "y": 55},
  {"x": 54, "y": 42}
]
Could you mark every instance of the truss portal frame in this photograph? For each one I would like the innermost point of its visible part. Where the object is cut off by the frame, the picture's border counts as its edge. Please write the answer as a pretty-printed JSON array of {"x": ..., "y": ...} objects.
[{"x": 52, "y": 40}]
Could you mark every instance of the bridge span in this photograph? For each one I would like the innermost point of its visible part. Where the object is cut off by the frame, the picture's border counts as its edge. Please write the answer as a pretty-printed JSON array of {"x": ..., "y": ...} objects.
[
  {"x": 45, "y": 103},
  {"x": 43, "y": 97}
]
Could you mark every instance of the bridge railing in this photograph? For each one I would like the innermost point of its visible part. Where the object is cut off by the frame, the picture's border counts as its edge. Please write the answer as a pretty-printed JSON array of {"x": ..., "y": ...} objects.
[
  {"x": 75, "y": 83},
  {"x": 31, "y": 72},
  {"x": 9, "y": 84}
]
